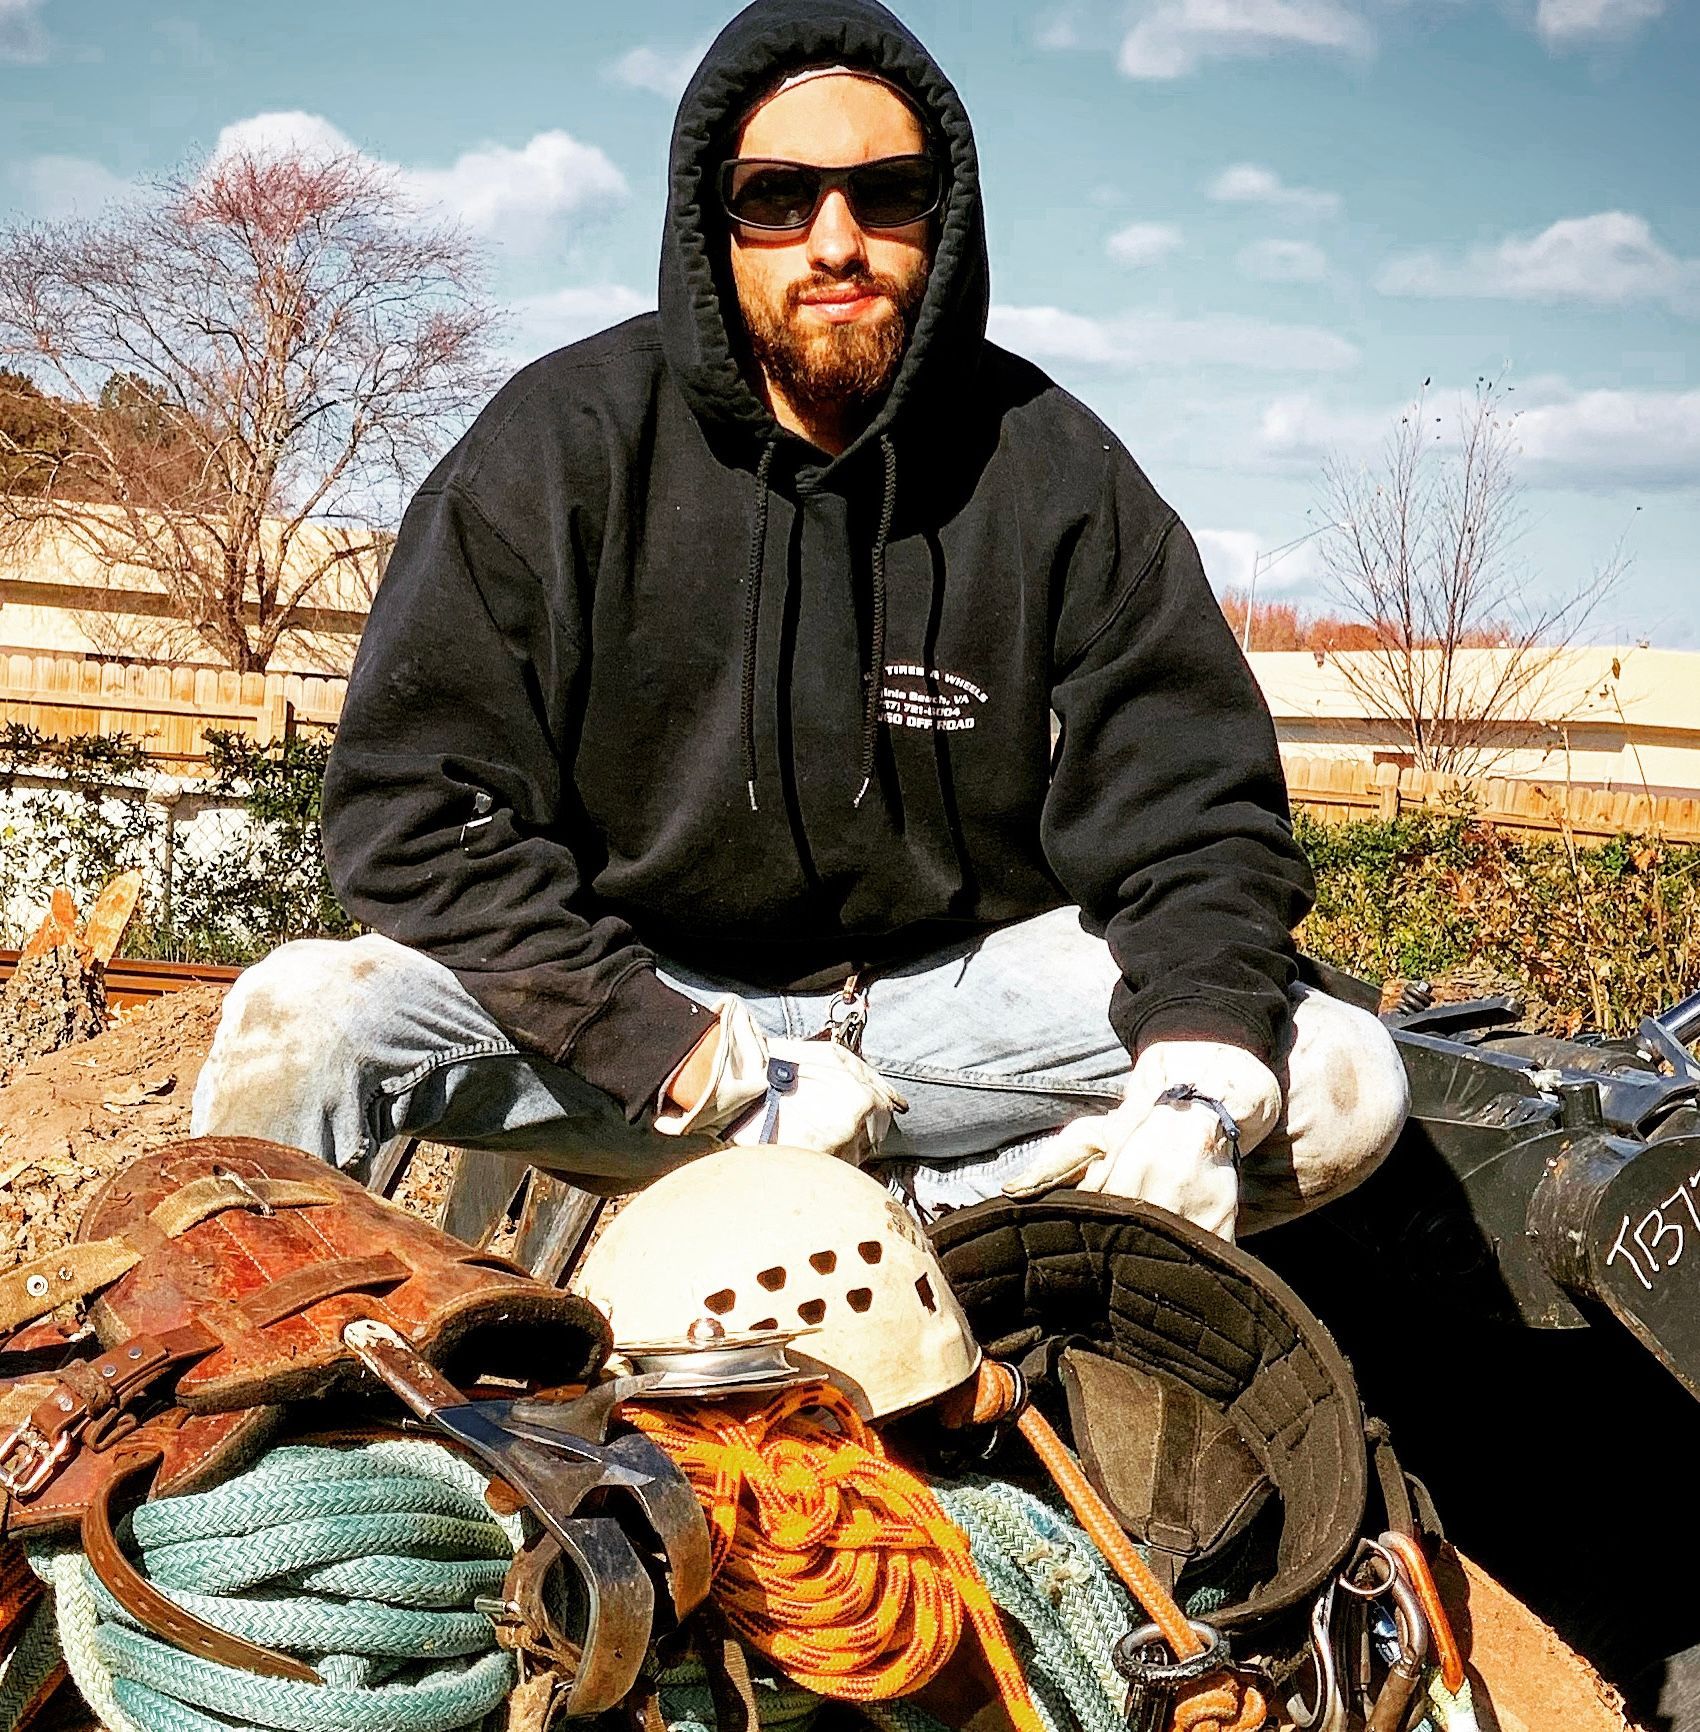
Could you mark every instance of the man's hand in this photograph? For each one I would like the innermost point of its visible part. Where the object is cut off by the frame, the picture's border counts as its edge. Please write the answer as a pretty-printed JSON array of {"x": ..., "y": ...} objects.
[
  {"x": 1191, "y": 1109},
  {"x": 820, "y": 1096},
  {"x": 808, "y": 1094}
]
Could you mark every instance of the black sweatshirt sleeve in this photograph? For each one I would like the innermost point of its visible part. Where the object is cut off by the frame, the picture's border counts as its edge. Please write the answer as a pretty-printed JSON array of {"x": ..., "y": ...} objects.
[
  {"x": 447, "y": 817},
  {"x": 1167, "y": 819}
]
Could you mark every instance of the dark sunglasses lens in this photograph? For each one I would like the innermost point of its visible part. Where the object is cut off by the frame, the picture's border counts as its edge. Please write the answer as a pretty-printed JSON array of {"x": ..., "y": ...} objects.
[
  {"x": 772, "y": 195},
  {"x": 887, "y": 195}
]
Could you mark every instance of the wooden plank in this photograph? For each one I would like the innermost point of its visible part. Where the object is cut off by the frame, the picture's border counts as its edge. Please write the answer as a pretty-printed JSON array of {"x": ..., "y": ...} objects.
[
  {"x": 555, "y": 1227},
  {"x": 1321, "y": 787},
  {"x": 481, "y": 1194}
]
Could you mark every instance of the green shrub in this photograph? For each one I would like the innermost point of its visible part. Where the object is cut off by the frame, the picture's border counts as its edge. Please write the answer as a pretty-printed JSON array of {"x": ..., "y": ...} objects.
[
  {"x": 94, "y": 821},
  {"x": 1600, "y": 935},
  {"x": 270, "y": 886},
  {"x": 91, "y": 822}
]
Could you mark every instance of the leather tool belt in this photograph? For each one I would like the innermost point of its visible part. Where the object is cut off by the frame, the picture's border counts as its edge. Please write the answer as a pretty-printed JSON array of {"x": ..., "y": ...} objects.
[{"x": 221, "y": 1277}]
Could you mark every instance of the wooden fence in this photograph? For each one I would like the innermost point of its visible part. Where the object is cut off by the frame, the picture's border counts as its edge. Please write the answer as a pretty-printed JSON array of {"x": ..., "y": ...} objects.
[
  {"x": 167, "y": 709},
  {"x": 1343, "y": 788}
]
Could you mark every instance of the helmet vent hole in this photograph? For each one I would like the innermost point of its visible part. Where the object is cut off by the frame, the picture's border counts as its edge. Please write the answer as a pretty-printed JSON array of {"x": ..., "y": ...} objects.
[
  {"x": 859, "y": 1298},
  {"x": 924, "y": 1289},
  {"x": 812, "y": 1310},
  {"x": 722, "y": 1302},
  {"x": 824, "y": 1262},
  {"x": 766, "y": 1323},
  {"x": 772, "y": 1279},
  {"x": 870, "y": 1250}
]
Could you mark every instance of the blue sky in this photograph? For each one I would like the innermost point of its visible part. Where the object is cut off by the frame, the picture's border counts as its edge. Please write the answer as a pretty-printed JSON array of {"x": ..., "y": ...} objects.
[{"x": 1244, "y": 230}]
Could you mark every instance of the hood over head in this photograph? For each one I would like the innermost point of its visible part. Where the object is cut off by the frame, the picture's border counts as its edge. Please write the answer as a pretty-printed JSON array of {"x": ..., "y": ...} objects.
[{"x": 701, "y": 331}]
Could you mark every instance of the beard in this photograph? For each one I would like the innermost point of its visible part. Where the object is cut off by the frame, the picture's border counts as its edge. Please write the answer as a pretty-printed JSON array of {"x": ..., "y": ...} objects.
[{"x": 835, "y": 369}]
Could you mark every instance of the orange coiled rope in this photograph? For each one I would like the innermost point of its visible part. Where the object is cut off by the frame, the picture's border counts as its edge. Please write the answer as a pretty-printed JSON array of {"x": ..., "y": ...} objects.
[{"x": 830, "y": 1559}]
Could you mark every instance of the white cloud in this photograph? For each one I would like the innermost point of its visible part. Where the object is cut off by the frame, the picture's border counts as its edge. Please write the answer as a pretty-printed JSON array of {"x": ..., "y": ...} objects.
[
  {"x": 545, "y": 322},
  {"x": 666, "y": 71},
  {"x": 1251, "y": 183},
  {"x": 1587, "y": 441},
  {"x": 1610, "y": 259},
  {"x": 1157, "y": 340},
  {"x": 1174, "y": 37},
  {"x": 1060, "y": 28},
  {"x": 1604, "y": 439},
  {"x": 23, "y": 37},
  {"x": 495, "y": 190},
  {"x": 1233, "y": 557},
  {"x": 1563, "y": 23},
  {"x": 1143, "y": 243},
  {"x": 1277, "y": 261},
  {"x": 1228, "y": 555},
  {"x": 282, "y": 132},
  {"x": 1300, "y": 432},
  {"x": 67, "y": 186}
]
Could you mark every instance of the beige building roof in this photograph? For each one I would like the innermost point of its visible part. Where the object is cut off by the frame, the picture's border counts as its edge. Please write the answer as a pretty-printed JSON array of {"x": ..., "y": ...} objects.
[
  {"x": 58, "y": 595},
  {"x": 1614, "y": 717}
]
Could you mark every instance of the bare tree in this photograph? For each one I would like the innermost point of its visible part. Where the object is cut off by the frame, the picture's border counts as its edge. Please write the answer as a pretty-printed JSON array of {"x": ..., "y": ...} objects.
[
  {"x": 244, "y": 370},
  {"x": 1446, "y": 639}
]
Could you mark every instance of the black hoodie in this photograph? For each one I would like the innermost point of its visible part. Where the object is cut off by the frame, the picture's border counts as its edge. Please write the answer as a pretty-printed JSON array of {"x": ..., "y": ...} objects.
[{"x": 615, "y": 695}]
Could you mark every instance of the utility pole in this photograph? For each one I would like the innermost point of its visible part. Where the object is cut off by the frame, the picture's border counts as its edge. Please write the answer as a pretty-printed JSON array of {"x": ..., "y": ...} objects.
[{"x": 1263, "y": 562}]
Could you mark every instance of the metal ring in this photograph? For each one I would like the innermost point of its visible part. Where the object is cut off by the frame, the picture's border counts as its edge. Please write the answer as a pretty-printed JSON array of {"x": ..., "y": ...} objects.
[
  {"x": 1366, "y": 1549},
  {"x": 1129, "y": 1656}
]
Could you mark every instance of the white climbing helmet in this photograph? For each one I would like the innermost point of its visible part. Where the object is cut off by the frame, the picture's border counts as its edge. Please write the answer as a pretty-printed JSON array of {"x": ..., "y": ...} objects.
[{"x": 765, "y": 1238}]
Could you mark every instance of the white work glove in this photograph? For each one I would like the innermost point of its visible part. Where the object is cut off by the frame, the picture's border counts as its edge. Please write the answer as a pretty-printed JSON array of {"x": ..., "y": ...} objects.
[
  {"x": 1173, "y": 1139},
  {"x": 802, "y": 1094}
]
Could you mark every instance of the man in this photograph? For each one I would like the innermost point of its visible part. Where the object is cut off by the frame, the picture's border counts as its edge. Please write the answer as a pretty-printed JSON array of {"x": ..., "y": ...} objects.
[{"x": 708, "y": 702}]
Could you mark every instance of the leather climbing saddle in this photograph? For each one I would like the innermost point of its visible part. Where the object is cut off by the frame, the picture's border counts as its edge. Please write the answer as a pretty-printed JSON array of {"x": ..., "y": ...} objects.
[{"x": 230, "y": 1286}]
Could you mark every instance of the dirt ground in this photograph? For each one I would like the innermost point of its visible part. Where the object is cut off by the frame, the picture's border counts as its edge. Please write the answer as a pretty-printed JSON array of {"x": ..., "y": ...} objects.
[{"x": 73, "y": 1117}]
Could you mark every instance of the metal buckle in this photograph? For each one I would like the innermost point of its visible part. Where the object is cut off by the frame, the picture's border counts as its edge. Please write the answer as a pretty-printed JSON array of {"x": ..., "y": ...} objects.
[
  {"x": 240, "y": 1184},
  {"x": 28, "y": 1457}
]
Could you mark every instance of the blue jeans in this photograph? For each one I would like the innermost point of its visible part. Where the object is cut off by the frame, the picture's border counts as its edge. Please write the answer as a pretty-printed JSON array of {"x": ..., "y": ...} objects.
[{"x": 340, "y": 1047}]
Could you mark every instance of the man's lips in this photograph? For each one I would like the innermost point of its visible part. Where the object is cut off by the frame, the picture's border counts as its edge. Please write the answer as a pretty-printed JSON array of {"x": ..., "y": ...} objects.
[{"x": 840, "y": 306}]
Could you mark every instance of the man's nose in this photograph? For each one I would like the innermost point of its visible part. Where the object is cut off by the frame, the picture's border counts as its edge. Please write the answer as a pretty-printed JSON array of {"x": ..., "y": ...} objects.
[{"x": 835, "y": 238}]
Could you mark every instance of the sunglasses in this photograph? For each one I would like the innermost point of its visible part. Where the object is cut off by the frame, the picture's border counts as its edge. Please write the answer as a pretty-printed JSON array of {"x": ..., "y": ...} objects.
[{"x": 761, "y": 193}]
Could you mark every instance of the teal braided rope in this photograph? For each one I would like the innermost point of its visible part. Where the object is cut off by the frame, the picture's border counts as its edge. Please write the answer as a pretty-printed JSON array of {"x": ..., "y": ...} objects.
[
  {"x": 215, "y": 1515},
  {"x": 438, "y": 1699},
  {"x": 227, "y": 1566},
  {"x": 277, "y": 1555},
  {"x": 438, "y": 1582},
  {"x": 1047, "y": 1577},
  {"x": 307, "y": 1625}
]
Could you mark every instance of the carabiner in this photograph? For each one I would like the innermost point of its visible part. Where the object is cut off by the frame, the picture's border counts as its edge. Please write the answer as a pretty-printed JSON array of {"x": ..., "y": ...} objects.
[
  {"x": 1328, "y": 1713},
  {"x": 1393, "y": 1701}
]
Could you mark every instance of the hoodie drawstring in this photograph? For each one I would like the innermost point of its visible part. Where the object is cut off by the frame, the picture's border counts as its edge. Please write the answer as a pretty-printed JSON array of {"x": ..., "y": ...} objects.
[
  {"x": 874, "y": 678},
  {"x": 752, "y": 618},
  {"x": 876, "y": 634}
]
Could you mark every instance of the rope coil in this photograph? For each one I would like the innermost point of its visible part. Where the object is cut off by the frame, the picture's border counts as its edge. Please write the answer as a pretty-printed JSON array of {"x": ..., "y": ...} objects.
[
  {"x": 365, "y": 1561},
  {"x": 828, "y": 1558}
]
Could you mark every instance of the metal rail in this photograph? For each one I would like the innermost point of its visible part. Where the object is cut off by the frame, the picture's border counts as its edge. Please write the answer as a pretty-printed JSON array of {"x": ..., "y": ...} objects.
[{"x": 131, "y": 981}]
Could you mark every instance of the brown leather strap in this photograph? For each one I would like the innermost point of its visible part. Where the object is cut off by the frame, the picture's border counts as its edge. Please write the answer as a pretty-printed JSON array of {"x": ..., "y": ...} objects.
[
  {"x": 85, "y": 1391},
  {"x": 146, "y": 1604},
  {"x": 728, "y": 1671},
  {"x": 33, "y": 1289},
  {"x": 314, "y": 1282}
]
